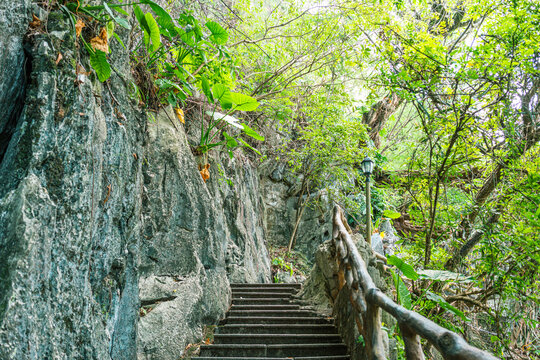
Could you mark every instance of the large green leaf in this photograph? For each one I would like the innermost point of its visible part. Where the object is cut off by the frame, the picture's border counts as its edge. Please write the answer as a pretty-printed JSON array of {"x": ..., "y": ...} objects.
[
  {"x": 98, "y": 61},
  {"x": 164, "y": 18},
  {"x": 139, "y": 15},
  {"x": 443, "y": 275},
  {"x": 231, "y": 120},
  {"x": 250, "y": 132},
  {"x": 406, "y": 269},
  {"x": 205, "y": 86},
  {"x": 154, "y": 33},
  {"x": 118, "y": 19},
  {"x": 219, "y": 34},
  {"x": 231, "y": 142},
  {"x": 403, "y": 294},
  {"x": 391, "y": 214},
  {"x": 244, "y": 102},
  {"x": 223, "y": 94},
  {"x": 445, "y": 305},
  {"x": 121, "y": 11}
]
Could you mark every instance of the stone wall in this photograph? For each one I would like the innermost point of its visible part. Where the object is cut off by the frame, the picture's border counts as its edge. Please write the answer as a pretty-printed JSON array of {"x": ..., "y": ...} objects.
[{"x": 111, "y": 245}]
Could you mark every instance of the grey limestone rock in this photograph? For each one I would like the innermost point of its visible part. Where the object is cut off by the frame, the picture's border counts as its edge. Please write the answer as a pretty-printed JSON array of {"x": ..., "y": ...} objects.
[
  {"x": 14, "y": 18},
  {"x": 69, "y": 232},
  {"x": 377, "y": 243},
  {"x": 175, "y": 311},
  {"x": 102, "y": 211},
  {"x": 197, "y": 238},
  {"x": 280, "y": 211},
  {"x": 390, "y": 237}
]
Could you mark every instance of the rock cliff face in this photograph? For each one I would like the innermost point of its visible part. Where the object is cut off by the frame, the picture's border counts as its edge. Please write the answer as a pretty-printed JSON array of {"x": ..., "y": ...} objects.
[
  {"x": 281, "y": 202},
  {"x": 196, "y": 239},
  {"x": 111, "y": 245}
]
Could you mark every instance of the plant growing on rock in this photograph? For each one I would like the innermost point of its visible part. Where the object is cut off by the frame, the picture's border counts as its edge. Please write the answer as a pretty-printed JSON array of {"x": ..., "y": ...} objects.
[{"x": 171, "y": 60}]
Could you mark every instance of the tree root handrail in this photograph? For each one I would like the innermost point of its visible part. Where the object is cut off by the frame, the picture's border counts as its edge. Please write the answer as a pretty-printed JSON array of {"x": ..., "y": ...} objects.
[{"x": 367, "y": 299}]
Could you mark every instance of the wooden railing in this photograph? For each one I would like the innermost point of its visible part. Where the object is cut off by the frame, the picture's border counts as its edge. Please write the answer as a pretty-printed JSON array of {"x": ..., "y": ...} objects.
[{"x": 367, "y": 299}]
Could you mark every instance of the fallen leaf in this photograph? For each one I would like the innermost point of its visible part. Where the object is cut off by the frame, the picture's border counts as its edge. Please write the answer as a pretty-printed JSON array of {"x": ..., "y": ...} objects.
[
  {"x": 82, "y": 71},
  {"x": 61, "y": 113},
  {"x": 135, "y": 156},
  {"x": 58, "y": 58},
  {"x": 108, "y": 194},
  {"x": 78, "y": 27},
  {"x": 205, "y": 174},
  {"x": 180, "y": 115},
  {"x": 207, "y": 341},
  {"x": 101, "y": 42},
  {"x": 36, "y": 22}
]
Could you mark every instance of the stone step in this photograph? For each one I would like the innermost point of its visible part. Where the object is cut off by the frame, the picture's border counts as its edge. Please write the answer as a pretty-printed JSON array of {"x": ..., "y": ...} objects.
[
  {"x": 275, "y": 338},
  {"x": 261, "y": 301},
  {"x": 265, "y": 307},
  {"x": 337, "y": 357},
  {"x": 275, "y": 286},
  {"x": 265, "y": 323},
  {"x": 275, "y": 320},
  {"x": 265, "y": 290},
  {"x": 277, "y": 329},
  {"x": 272, "y": 313},
  {"x": 261, "y": 294},
  {"x": 274, "y": 350}
]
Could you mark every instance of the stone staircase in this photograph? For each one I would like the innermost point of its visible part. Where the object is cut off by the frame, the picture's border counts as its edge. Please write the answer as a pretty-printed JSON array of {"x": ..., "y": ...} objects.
[{"x": 265, "y": 323}]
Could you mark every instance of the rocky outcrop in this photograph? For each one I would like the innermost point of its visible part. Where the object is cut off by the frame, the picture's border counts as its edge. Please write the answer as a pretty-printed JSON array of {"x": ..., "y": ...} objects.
[
  {"x": 197, "y": 238},
  {"x": 14, "y": 18},
  {"x": 281, "y": 202},
  {"x": 111, "y": 245},
  {"x": 70, "y": 211}
]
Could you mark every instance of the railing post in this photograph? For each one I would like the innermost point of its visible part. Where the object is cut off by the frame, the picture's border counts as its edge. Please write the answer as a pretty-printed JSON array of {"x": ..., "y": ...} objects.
[
  {"x": 413, "y": 348},
  {"x": 374, "y": 343}
]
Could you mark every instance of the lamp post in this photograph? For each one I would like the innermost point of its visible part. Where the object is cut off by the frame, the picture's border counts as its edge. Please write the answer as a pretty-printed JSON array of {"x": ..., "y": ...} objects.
[{"x": 367, "y": 169}]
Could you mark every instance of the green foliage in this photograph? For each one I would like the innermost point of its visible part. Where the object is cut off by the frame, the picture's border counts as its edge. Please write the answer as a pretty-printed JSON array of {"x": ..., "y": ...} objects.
[
  {"x": 326, "y": 153},
  {"x": 219, "y": 34},
  {"x": 445, "y": 305},
  {"x": 442, "y": 275},
  {"x": 279, "y": 262},
  {"x": 98, "y": 60},
  {"x": 402, "y": 292},
  {"x": 289, "y": 261},
  {"x": 391, "y": 214},
  {"x": 406, "y": 269},
  {"x": 180, "y": 57}
]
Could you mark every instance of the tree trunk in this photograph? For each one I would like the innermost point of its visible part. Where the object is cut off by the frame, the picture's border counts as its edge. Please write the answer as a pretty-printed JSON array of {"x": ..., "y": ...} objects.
[
  {"x": 379, "y": 113},
  {"x": 474, "y": 239}
]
